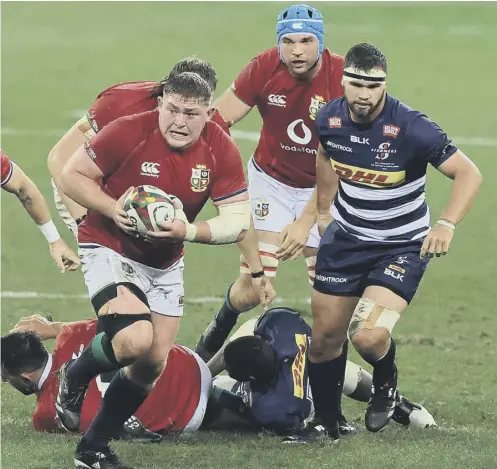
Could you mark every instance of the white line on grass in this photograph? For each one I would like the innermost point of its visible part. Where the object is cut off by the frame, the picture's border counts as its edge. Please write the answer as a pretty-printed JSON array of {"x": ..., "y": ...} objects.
[
  {"x": 237, "y": 134},
  {"x": 29, "y": 295}
]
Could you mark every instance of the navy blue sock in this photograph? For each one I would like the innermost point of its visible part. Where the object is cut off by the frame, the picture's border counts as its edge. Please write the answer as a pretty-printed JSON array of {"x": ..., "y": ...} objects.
[{"x": 122, "y": 398}]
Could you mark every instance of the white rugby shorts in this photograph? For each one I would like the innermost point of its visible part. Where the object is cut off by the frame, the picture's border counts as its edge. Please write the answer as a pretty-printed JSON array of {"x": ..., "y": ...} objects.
[
  {"x": 276, "y": 205},
  {"x": 164, "y": 288},
  {"x": 63, "y": 212}
]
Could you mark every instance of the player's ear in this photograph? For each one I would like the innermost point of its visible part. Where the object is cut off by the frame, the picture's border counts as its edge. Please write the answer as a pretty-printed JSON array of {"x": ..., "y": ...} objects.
[
  {"x": 160, "y": 100},
  {"x": 211, "y": 111}
]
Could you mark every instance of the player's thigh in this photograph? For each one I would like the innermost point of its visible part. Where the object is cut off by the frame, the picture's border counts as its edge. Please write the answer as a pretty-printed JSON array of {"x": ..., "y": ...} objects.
[
  {"x": 331, "y": 314},
  {"x": 114, "y": 285},
  {"x": 273, "y": 203},
  {"x": 166, "y": 293}
]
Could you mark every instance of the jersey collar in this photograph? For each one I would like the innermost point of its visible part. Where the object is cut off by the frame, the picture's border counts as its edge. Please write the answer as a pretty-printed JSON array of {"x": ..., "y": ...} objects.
[{"x": 46, "y": 372}]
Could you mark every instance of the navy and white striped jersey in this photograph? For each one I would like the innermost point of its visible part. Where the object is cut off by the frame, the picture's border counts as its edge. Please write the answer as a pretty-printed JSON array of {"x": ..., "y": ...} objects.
[{"x": 382, "y": 169}]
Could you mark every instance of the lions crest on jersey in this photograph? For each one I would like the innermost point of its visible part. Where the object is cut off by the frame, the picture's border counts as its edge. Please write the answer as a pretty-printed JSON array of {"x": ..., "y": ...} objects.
[
  {"x": 200, "y": 178},
  {"x": 317, "y": 102}
]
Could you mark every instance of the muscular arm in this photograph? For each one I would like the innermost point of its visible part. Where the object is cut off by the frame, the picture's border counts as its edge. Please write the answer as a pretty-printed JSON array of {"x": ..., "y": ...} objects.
[
  {"x": 231, "y": 108},
  {"x": 326, "y": 184},
  {"x": 79, "y": 180},
  {"x": 76, "y": 136},
  {"x": 29, "y": 195},
  {"x": 467, "y": 180}
]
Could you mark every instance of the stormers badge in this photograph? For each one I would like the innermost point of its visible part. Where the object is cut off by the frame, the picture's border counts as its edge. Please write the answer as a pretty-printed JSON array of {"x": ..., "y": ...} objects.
[
  {"x": 261, "y": 210},
  {"x": 317, "y": 102},
  {"x": 200, "y": 178}
]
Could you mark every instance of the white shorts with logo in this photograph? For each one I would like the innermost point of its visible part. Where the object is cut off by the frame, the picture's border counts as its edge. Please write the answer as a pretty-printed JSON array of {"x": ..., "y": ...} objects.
[
  {"x": 205, "y": 391},
  {"x": 103, "y": 267},
  {"x": 275, "y": 205},
  {"x": 63, "y": 212}
]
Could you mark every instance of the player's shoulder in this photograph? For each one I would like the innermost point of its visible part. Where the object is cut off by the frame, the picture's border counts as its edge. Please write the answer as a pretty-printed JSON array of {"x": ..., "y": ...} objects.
[
  {"x": 80, "y": 331},
  {"x": 215, "y": 137},
  {"x": 331, "y": 115},
  {"x": 412, "y": 122},
  {"x": 127, "y": 87},
  {"x": 135, "y": 126},
  {"x": 268, "y": 61},
  {"x": 335, "y": 60}
]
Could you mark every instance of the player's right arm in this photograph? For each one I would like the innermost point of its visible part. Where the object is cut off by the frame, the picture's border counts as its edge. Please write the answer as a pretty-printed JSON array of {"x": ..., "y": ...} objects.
[
  {"x": 59, "y": 155},
  {"x": 231, "y": 108},
  {"x": 85, "y": 169},
  {"x": 237, "y": 101},
  {"x": 326, "y": 189},
  {"x": 35, "y": 205}
]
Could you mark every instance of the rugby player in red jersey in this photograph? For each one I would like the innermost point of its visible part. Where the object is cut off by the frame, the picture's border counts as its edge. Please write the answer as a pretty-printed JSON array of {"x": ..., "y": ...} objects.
[
  {"x": 15, "y": 181},
  {"x": 288, "y": 84},
  {"x": 136, "y": 283},
  {"x": 119, "y": 100},
  {"x": 176, "y": 403}
]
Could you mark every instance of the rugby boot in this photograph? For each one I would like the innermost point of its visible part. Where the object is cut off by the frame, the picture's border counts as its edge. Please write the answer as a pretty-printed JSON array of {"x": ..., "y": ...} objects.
[
  {"x": 409, "y": 413},
  {"x": 381, "y": 405},
  {"x": 101, "y": 459},
  {"x": 69, "y": 400}
]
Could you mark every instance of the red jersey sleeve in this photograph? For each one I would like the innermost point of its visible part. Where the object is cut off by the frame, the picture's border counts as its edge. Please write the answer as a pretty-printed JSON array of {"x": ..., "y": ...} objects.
[
  {"x": 251, "y": 80},
  {"x": 104, "y": 110},
  {"x": 7, "y": 168},
  {"x": 216, "y": 117},
  {"x": 229, "y": 179},
  {"x": 110, "y": 147}
]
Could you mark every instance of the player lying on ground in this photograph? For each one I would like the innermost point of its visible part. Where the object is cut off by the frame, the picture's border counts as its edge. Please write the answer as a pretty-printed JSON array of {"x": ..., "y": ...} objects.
[
  {"x": 177, "y": 402},
  {"x": 135, "y": 281},
  {"x": 14, "y": 180},
  {"x": 266, "y": 360},
  {"x": 288, "y": 84},
  {"x": 372, "y": 165}
]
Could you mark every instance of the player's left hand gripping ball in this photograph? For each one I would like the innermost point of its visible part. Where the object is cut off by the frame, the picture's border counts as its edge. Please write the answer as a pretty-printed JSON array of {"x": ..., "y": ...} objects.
[
  {"x": 63, "y": 255},
  {"x": 437, "y": 241},
  {"x": 173, "y": 229}
]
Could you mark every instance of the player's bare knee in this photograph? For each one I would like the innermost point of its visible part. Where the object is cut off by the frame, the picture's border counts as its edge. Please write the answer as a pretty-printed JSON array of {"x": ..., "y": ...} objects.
[
  {"x": 370, "y": 342},
  {"x": 133, "y": 342},
  {"x": 325, "y": 346}
]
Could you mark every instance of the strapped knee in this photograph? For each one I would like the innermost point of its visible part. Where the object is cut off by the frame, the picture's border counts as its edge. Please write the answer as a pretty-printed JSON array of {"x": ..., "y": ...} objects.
[
  {"x": 368, "y": 315},
  {"x": 112, "y": 323},
  {"x": 269, "y": 261}
]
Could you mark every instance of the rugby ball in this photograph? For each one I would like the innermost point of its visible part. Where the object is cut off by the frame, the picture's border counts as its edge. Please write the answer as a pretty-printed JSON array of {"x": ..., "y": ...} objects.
[{"x": 147, "y": 205}]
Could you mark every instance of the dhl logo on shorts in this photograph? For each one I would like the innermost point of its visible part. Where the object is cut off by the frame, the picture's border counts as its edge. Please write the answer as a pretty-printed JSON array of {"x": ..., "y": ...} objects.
[
  {"x": 368, "y": 177},
  {"x": 298, "y": 366}
]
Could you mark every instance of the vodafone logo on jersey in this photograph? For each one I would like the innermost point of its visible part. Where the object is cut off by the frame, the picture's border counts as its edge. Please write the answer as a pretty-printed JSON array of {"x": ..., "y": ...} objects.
[
  {"x": 277, "y": 100},
  {"x": 150, "y": 169},
  {"x": 304, "y": 135}
]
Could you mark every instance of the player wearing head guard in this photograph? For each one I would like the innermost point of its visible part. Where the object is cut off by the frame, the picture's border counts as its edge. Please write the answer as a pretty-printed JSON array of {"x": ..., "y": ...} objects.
[
  {"x": 177, "y": 402},
  {"x": 372, "y": 160},
  {"x": 136, "y": 283},
  {"x": 266, "y": 360},
  {"x": 15, "y": 181},
  {"x": 288, "y": 84}
]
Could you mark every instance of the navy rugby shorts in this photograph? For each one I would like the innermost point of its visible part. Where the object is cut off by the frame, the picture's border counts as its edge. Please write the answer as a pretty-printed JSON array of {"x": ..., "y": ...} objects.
[{"x": 346, "y": 265}]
